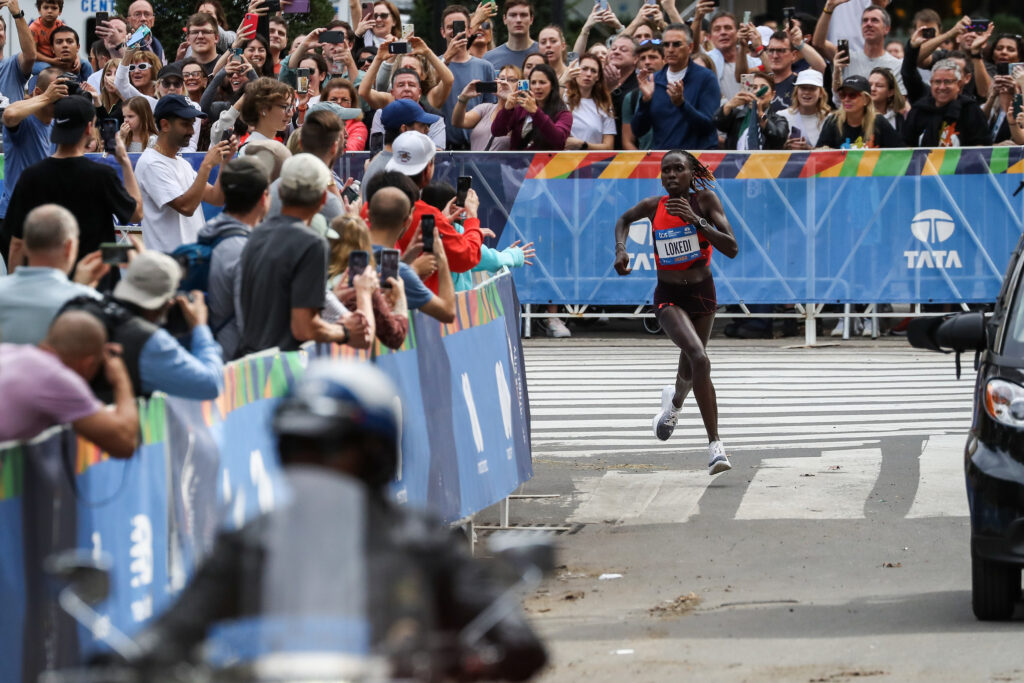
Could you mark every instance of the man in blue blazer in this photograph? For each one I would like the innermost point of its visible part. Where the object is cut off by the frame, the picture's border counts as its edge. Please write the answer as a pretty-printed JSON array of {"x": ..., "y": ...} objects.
[{"x": 679, "y": 102}]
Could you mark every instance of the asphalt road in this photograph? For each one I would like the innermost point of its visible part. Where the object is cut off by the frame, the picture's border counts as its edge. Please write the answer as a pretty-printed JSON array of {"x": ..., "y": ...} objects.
[{"x": 836, "y": 549}]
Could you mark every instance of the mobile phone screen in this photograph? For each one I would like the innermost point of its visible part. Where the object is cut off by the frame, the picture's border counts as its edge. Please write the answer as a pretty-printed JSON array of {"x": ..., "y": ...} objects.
[
  {"x": 465, "y": 184},
  {"x": 458, "y": 27},
  {"x": 486, "y": 87},
  {"x": 332, "y": 37},
  {"x": 388, "y": 266},
  {"x": 114, "y": 253},
  {"x": 357, "y": 262},
  {"x": 427, "y": 231},
  {"x": 108, "y": 132}
]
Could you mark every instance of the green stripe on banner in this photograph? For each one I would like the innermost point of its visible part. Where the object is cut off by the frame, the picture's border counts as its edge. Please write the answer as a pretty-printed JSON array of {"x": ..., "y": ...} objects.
[
  {"x": 153, "y": 418},
  {"x": 1000, "y": 160},
  {"x": 851, "y": 165},
  {"x": 12, "y": 473},
  {"x": 893, "y": 162},
  {"x": 950, "y": 161}
]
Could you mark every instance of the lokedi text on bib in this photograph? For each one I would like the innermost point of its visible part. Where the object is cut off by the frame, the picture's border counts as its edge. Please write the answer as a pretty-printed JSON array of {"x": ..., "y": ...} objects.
[{"x": 677, "y": 246}]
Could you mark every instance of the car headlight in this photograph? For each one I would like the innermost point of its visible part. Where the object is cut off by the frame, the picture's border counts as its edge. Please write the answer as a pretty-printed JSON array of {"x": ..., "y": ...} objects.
[{"x": 1004, "y": 402}]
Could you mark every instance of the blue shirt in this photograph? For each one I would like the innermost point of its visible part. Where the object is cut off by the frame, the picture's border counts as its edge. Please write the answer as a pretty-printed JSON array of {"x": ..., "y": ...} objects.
[
  {"x": 26, "y": 144},
  {"x": 465, "y": 72},
  {"x": 416, "y": 293},
  {"x": 690, "y": 126},
  {"x": 12, "y": 80},
  {"x": 165, "y": 365},
  {"x": 30, "y": 299}
]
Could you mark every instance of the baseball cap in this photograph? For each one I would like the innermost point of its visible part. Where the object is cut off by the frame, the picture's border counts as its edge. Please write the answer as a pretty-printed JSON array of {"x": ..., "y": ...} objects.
[
  {"x": 271, "y": 153},
  {"x": 411, "y": 152},
  {"x": 810, "y": 77},
  {"x": 304, "y": 173},
  {"x": 176, "y": 106},
  {"x": 244, "y": 171},
  {"x": 169, "y": 70},
  {"x": 150, "y": 280},
  {"x": 404, "y": 112},
  {"x": 858, "y": 83},
  {"x": 71, "y": 115}
]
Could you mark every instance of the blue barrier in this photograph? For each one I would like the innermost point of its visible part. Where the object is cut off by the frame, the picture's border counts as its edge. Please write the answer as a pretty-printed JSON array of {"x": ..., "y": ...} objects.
[{"x": 207, "y": 465}]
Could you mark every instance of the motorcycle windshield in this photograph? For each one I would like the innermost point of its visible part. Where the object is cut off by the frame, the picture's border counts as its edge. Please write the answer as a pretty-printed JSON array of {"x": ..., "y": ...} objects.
[{"x": 309, "y": 579}]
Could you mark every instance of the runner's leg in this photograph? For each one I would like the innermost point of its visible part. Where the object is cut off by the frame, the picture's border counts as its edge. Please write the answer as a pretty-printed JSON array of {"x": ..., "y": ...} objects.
[
  {"x": 691, "y": 342},
  {"x": 684, "y": 375}
]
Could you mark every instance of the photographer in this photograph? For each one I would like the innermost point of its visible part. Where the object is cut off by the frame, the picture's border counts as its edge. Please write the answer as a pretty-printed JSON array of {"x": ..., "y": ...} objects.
[{"x": 143, "y": 303}]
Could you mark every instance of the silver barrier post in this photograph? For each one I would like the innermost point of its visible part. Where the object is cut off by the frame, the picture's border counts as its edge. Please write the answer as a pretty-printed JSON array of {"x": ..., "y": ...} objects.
[{"x": 811, "y": 326}]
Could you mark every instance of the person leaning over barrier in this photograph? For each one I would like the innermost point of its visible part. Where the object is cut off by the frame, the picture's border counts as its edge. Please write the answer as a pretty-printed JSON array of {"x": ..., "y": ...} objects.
[
  {"x": 31, "y": 296},
  {"x": 47, "y": 385}
]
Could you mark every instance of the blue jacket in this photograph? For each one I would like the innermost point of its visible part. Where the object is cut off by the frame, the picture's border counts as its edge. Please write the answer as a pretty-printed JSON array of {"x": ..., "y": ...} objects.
[{"x": 690, "y": 126}]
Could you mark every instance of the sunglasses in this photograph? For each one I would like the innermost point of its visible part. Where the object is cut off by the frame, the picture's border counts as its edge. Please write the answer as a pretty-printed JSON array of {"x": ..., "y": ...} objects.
[
  {"x": 673, "y": 43},
  {"x": 650, "y": 41},
  {"x": 141, "y": 66},
  {"x": 382, "y": 17}
]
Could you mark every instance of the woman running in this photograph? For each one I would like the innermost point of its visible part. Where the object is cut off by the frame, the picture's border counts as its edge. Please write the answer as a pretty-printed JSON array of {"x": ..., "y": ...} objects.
[{"x": 686, "y": 225}]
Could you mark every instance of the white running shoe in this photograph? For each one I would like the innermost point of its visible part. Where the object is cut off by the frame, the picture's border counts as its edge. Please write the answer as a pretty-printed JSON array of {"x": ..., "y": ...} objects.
[
  {"x": 717, "y": 460},
  {"x": 557, "y": 329},
  {"x": 664, "y": 423}
]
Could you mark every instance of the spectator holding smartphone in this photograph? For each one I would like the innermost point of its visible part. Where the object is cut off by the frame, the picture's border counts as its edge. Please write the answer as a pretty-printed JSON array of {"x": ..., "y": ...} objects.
[
  {"x": 807, "y": 114},
  {"x": 479, "y": 119},
  {"x": 381, "y": 21},
  {"x": 748, "y": 120},
  {"x": 465, "y": 69},
  {"x": 535, "y": 119},
  {"x": 593, "y": 120},
  {"x": 875, "y": 24},
  {"x": 857, "y": 125}
]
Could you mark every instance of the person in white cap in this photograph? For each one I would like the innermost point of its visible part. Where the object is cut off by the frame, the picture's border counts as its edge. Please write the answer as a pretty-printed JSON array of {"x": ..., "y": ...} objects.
[
  {"x": 808, "y": 112},
  {"x": 284, "y": 272},
  {"x": 137, "y": 311},
  {"x": 413, "y": 156}
]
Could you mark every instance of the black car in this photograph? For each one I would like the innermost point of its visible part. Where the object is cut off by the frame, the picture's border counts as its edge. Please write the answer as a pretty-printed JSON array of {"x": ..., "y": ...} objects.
[{"x": 994, "y": 452}]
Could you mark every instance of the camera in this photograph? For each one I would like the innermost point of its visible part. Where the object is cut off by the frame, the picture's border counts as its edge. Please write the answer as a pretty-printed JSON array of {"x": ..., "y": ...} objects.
[{"x": 72, "y": 83}]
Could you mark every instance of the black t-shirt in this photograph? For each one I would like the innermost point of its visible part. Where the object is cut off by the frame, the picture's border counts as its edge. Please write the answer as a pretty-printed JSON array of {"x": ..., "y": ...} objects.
[
  {"x": 284, "y": 266},
  {"x": 783, "y": 94},
  {"x": 852, "y": 137},
  {"x": 92, "y": 191}
]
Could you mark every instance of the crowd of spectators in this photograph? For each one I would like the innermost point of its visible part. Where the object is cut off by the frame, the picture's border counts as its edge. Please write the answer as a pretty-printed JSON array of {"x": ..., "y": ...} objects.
[{"x": 271, "y": 112}]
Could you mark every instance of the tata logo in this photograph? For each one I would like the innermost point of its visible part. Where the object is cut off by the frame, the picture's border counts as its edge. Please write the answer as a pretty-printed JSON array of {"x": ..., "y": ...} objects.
[
  {"x": 933, "y": 227},
  {"x": 638, "y": 247}
]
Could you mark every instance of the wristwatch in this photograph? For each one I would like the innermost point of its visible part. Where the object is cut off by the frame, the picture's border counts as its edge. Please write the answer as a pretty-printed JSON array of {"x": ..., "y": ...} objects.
[
  {"x": 19, "y": 15},
  {"x": 703, "y": 223}
]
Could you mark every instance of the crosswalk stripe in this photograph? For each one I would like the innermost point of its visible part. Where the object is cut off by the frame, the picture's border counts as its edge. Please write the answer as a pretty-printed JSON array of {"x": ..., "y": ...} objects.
[
  {"x": 641, "y": 497},
  {"x": 940, "y": 489}
]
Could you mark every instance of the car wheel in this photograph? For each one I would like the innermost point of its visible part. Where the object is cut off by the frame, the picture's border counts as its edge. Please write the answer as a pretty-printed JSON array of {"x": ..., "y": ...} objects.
[{"x": 995, "y": 590}]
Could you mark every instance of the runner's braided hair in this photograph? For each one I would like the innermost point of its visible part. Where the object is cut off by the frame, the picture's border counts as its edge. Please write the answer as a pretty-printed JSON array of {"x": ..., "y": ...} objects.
[{"x": 703, "y": 179}]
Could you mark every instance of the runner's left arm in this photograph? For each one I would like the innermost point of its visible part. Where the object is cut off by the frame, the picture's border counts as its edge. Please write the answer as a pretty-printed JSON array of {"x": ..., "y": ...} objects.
[{"x": 720, "y": 235}]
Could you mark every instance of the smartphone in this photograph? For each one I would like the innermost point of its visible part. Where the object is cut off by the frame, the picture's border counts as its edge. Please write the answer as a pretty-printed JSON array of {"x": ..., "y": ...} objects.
[
  {"x": 250, "y": 22},
  {"x": 650, "y": 2},
  {"x": 226, "y": 135},
  {"x": 602, "y": 5},
  {"x": 747, "y": 82},
  {"x": 333, "y": 37},
  {"x": 407, "y": 31},
  {"x": 302, "y": 78},
  {"x": 1014, "y": 66},
  {"x": 1018, "y": 104},
  {"x": 746, "y": 17},
  {"x": 273, "y": 6},
  {"x": 351, "y": 193},
  {"x": 487, "y": 87},
  {"x": 108, "y": 133},
  {"x": 928, "y": 33},
  {"x": 523, "y": 86},
  {"x": 458, "y": 27},
  {"x": 367, "y": 9},
  {"x": 795, "y": 133},
  {"x": 399, "y": 47},
  {"x": 357, "y": 262},
  {"x": 427, "y": 231},
  {"x": 979, "y": 26},
  {"x": 236, "y": 54},
  {"x": 376, "y": 142},
  {"x": 388, "y": 266},
  {"x": 787, "y": 14},
  {"x": 115, "y": 253},
  {"x": 139, "y": 36},
  {"x": 573, "y": 56},
  {"x": 1003, "y": 69},
  {"x": 843, "y": 45},
  {"x": 101, "y": 17},
  {"x": 464, "y": 186}
]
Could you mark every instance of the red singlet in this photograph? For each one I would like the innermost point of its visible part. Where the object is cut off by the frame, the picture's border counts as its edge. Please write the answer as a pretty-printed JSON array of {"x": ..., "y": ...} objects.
[{"x": 677, "y": 246}]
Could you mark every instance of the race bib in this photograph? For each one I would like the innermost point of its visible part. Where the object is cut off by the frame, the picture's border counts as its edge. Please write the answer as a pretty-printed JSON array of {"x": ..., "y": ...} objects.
[{"x": 677, "y": 246}]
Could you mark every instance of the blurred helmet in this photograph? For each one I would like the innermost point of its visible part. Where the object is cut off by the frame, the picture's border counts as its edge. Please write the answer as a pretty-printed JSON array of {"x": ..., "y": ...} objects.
[{"x": 338, "y": 403}]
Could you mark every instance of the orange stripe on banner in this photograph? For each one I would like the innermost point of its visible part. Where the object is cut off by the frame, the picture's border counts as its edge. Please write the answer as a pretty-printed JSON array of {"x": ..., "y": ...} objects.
[
  {"x": 765, "y": 165},
  {"x": 623, "y": 165},
  {"x": 649, "y": 168},
  {"x": 538, "y": 164},
  {"x": 711, "y": 160},
  {"x": 933, "y": 162},
  {"x": 562, "y": 165},
  {"x": 819, "y": 162},
  {"x": 868, "y": 161},
  {"x": 1016, "y": 168}
]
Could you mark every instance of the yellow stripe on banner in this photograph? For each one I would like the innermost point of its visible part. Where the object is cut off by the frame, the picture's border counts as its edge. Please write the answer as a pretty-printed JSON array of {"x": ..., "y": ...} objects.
[
  {"x": 761, "y": 166},
  {"x": 622, "y": 166},
  {"x": 1017, "y": 167},
  {"x": 868, "y": 161},
  {"x": 831, "y": 172},
  {"x": 933, "y": 163},
  {"x": 562, "y": 165}
]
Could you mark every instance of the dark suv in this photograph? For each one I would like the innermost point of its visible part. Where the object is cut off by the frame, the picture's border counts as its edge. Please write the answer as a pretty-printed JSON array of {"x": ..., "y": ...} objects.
[{"x": 994, "y": 453}]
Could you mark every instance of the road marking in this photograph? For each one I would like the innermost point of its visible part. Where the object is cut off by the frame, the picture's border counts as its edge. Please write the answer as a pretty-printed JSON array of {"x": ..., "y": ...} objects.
[
  {"x": 941, "y": 489},
  {"x": 833, "y": 486},
  {"x": 668, "y": 497}
]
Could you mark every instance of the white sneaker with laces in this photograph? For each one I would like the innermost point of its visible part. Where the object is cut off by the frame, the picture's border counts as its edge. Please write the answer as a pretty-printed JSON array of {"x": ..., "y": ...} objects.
[
  {"x": 557, "y": 329},
  {"x": 837, "y": 331},
  {"x": 664, "y": 423},
  {"x": 717, "y": 460}
]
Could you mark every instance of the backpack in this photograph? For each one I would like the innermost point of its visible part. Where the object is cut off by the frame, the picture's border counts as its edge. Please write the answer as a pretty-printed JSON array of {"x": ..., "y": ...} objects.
[{"x": 195, "y": 259}]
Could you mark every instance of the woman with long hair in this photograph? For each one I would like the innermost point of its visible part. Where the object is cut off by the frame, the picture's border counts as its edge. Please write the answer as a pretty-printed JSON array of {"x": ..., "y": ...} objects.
[
  {"x": 535, "y": 119},
  {"x": 887, "y": 98},
  {"x": 227, "y": 84},
  {"x": 256, "y": 51},
  {"x": 343, "y": 93},
  {"x": 808, "y": 112},
  {"x": 686, "y": 226},
  {"x": 139, "y": 128},
  {"x": 857, "y": 125},
  {"x": 593, "y": 119},
  {"x": 479, "y": 118},
  {"x": 552, "y": 46},
  {"x": 383, "y": 21},
  {"x": 1007, "y": 48},
  {"x": 390, "y": 310},
  {"x": 110, "y": 100},
  {"x": 136, "y": 75}
]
